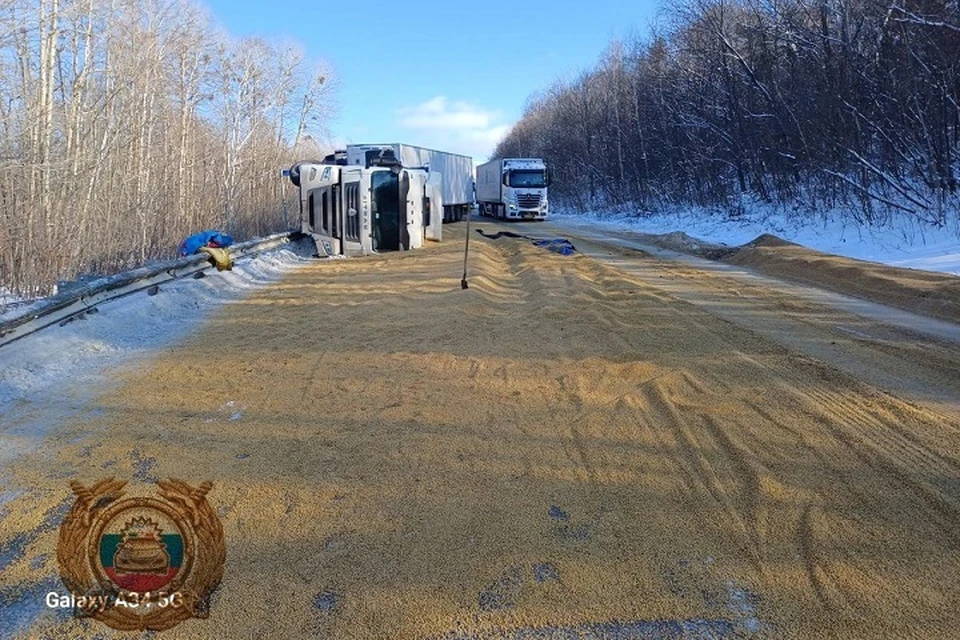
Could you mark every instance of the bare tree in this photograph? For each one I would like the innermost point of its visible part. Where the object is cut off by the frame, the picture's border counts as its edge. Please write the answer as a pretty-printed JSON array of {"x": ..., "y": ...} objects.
[
  {"x": 127, "y": 124},
  {"x": 845, "y": 105}
]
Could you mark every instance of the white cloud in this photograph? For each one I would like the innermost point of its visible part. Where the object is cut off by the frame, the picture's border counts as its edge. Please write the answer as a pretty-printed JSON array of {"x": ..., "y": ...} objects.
[
  {"x": 455, "y": 126},
  {"x": 440, "y": 113},
  {"x": 489, "y": 136}
]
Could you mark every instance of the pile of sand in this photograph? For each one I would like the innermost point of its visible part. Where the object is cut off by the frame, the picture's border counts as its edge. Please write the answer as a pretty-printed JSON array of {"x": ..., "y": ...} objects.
[{"x": 926, "y": 292}]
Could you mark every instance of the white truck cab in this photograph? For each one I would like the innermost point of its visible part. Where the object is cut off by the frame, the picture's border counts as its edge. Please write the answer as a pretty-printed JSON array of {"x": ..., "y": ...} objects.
[
  {"x": 513, "y": 189},
  {"x": 356, "y": 210},
  {"x": 457, "y": 171}
]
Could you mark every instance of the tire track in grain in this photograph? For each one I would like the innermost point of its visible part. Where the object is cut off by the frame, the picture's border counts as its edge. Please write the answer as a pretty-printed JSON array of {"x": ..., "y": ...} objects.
[
  {"x": 885, "y": 438},
  {"x": 696, "y": 465},
  {"x": 806, "y": 546},
  {"x": 748, "y": 479},
  {"x": 880, "y": 461}
]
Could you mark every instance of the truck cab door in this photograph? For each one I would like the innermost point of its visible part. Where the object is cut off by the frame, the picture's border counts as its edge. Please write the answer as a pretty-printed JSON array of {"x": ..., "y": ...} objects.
[{"x": 433, "y": 196}]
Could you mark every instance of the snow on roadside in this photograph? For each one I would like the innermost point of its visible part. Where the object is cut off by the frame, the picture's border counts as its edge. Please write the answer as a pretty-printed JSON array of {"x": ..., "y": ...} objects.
[
  {"x": 54, "y": 373},
  {"x": 9, "y": 300},
  {"x": 905, "y": 243}
]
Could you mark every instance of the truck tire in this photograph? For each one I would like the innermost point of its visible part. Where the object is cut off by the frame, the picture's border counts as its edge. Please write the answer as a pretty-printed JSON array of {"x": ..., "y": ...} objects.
[
  {"x": 295, "y": 171},
  {"x": 295, "y": 174}
]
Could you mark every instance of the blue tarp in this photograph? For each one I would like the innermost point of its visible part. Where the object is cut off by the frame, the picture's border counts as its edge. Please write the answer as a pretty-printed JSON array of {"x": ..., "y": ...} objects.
[
  {"x": 558, "y": 245},
  {"x": 209, "y": 238}
]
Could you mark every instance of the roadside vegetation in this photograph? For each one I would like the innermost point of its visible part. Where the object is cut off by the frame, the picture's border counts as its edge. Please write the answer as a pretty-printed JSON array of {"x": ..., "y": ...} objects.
[
  {"x": 127, "y": 125},
  {"x": 839, "y": 107}
]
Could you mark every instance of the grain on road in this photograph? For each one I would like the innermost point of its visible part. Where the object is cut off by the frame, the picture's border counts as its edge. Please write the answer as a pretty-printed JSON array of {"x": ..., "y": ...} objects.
[{"x": 561, "y": 446}]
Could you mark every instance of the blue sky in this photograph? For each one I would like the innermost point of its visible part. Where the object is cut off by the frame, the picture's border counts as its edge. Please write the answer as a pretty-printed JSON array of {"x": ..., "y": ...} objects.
[{"x": 447, "y": 74}]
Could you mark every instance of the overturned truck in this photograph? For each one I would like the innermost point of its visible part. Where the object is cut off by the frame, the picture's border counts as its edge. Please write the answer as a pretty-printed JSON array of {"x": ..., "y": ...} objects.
[
  {"x": 359, "y": 210},
  {"x": 457, "y": 170}
]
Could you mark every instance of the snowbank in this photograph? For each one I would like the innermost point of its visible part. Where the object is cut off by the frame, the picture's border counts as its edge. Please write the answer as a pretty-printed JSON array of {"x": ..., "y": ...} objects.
[
  {"x": 9, "y": 300},
  {"x": 904, "y": 244}
]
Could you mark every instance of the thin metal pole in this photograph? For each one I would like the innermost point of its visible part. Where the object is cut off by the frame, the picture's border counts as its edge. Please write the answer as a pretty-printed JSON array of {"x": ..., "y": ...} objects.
[{"x": 466, "y": 250}]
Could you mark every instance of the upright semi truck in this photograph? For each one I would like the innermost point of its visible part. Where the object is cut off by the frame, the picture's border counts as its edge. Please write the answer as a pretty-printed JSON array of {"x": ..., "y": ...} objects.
[
  {"x": 457, "y": 171},
  {"x": 513, "y": 188},
  {"x": 358, "y": 210}
]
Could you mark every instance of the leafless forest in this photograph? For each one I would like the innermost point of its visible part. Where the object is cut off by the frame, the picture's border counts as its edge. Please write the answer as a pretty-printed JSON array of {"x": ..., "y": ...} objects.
[
  {"x": 126, "y": 125},
  {"x": 841, "y": 106}
]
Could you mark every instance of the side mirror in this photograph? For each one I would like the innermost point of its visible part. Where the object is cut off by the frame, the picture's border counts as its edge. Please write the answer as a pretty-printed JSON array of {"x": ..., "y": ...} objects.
[
  {"x": 506, "y": 179},
  {"x": 548, "y": 180}
]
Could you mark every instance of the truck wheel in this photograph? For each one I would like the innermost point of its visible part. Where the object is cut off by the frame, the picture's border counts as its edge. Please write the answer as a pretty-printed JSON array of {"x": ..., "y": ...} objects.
[
  {"x": 295, "y": 174},
  {"x": 295, "y": 170}
]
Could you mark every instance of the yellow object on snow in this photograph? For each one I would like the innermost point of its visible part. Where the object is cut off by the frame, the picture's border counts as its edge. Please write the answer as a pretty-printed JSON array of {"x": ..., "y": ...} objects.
[{"x": 219, "y": 258}]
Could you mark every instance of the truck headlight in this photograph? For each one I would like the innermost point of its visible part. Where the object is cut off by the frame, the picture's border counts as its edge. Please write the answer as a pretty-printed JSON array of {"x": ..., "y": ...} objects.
[{"x": 513, "y": 206}]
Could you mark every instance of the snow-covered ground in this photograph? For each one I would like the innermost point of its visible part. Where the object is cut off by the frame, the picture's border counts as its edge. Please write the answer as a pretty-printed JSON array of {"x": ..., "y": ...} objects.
[
  {"x": 8, "y": 300},
  {"x": 902, "y": 244},
  {"x": 52, "y": 374}
]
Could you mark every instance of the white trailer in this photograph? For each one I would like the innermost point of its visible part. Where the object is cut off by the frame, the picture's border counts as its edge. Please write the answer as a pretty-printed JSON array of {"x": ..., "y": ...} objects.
[
  {"x": 457, "y": 171},
  {"x": 513, "y": 188},
  {"x": 362, "y": 210}
]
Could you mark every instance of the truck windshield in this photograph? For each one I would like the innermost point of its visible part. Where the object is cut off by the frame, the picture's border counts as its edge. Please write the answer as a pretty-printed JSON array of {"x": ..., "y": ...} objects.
[{"x": 531, "y": 179}]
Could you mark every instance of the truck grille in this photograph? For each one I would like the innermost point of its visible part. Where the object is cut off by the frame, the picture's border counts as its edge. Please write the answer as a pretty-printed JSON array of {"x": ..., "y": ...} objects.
[{"x": 528, "y": 201}]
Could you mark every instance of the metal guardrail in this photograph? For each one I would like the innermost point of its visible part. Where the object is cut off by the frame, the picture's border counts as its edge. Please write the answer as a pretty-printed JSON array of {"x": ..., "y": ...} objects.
[{"x": 62, "y": 307}]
